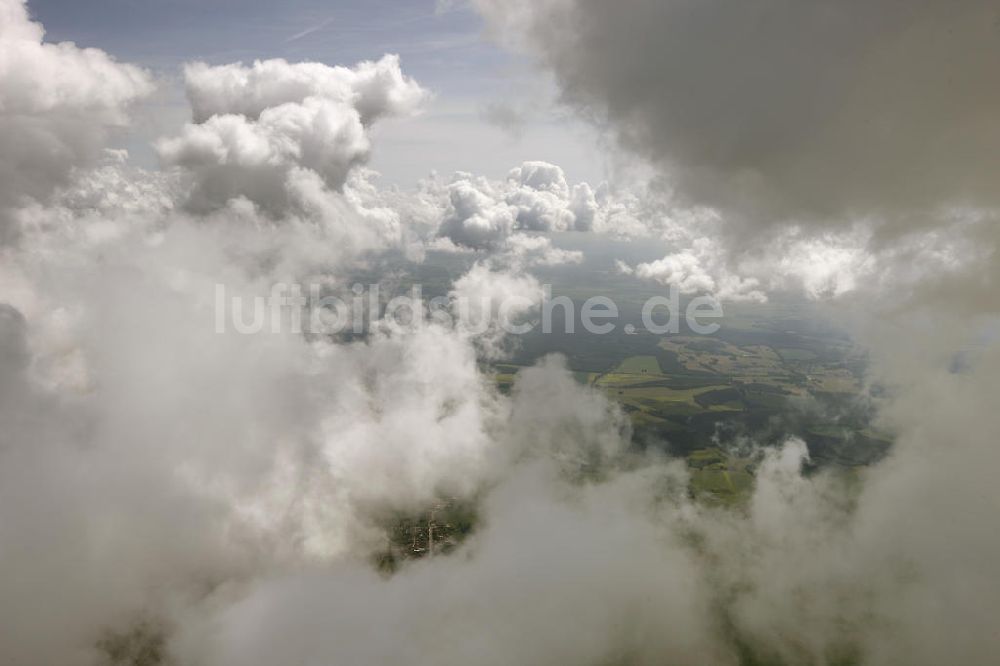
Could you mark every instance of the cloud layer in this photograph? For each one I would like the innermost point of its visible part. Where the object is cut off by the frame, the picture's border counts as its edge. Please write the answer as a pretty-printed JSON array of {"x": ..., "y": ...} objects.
[{"x": 215, "y": 498}]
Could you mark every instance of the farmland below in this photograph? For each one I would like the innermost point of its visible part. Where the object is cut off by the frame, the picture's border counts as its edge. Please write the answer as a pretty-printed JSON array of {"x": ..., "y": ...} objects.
[{"x": 771, "y": 371}]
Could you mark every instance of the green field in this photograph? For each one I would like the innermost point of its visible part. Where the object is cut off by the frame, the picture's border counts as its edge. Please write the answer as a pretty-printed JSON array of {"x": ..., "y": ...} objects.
[
  {"x": 791, "y": 354},
  {"x": 771, "y": 371},
  {"x": 682, "y": 392},
  {"x": 717, "y": 478},
  {"x": 639, "y": 365}
]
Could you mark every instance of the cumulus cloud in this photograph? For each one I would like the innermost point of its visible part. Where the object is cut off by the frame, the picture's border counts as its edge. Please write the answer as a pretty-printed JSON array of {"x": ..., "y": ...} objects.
[
  {"x": 534, "y": 197},
  {"x": 682, "y": 269},
  {"x": 57, "y": 104},
  {"x": 526, "y": 250},
  {"x": 474, "y": 217},
  {"x": 686, "y": 271},
  {"x": 543, "y": 200},
  {"x": 374, "y": 88},
  {"x": 257, "y": 129}
]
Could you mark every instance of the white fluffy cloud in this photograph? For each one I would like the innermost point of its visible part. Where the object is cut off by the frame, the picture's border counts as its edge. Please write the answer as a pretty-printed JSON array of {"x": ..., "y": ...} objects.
[
  {"x": 526, "y": 250},
  {"x": 255, "y": 128},
  {"x": 473, "y": 217},
  {"x": 57, "y": 104},
  {"x": 698, "y": 266},
  {"x": 544, "y": 201},
  {"x": 374, "y": 88},
  {"x": 534, "y": 197}
]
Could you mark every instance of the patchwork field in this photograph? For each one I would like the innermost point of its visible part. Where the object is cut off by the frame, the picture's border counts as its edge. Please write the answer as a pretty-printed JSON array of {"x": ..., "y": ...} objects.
[
  {"x": 719, "y": 478},
  {"x": 757, "y": 378}
]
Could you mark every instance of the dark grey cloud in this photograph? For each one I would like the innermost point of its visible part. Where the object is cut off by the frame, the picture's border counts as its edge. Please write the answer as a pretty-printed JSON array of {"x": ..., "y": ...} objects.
[{"x": 782, "y": 109}]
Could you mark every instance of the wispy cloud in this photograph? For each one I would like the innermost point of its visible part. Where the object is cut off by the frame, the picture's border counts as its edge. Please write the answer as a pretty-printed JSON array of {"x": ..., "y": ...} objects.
[{"x": 310, "y": 30}]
